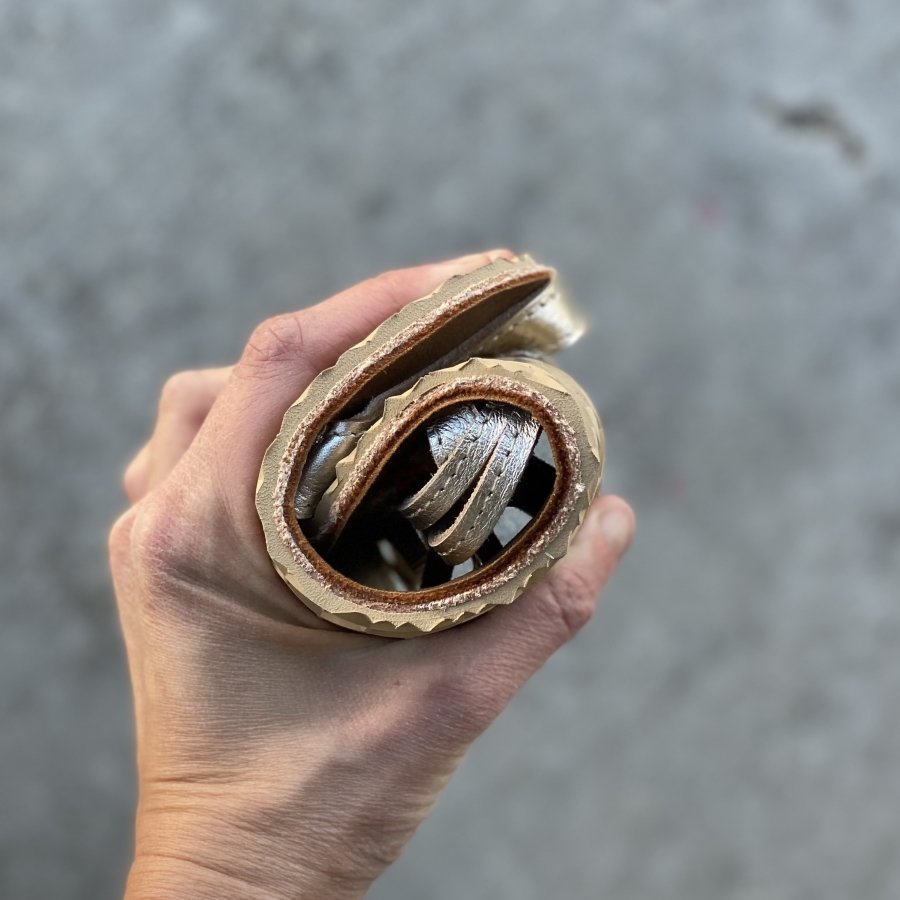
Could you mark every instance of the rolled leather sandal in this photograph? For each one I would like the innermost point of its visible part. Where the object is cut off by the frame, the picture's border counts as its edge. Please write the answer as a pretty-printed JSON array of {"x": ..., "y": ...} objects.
[{"x": 441, "y": 465}]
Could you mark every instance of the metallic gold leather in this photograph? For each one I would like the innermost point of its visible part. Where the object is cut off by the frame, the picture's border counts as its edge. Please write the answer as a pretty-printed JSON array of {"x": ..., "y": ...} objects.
[
  {"x": 335, "y": 444},
  {"x": 420, "y": 368},
  {"x": 545, "y": 325},
  {"x": 497, "y": 481},
  {"x": 461, "y": 444}
]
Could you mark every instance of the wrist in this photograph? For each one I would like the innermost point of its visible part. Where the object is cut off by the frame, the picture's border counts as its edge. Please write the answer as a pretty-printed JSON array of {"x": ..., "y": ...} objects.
[
  {"x": 158, "y": 877},
  {"x": 206, "y": 854}
]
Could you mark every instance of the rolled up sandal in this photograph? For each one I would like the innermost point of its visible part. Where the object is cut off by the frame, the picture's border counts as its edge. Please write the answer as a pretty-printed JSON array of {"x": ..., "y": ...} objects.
[{"x": 441, "y": 465}]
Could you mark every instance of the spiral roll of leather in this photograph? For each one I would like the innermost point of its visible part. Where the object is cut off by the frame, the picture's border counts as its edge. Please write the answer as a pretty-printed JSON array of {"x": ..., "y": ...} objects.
[{"x": 441, "y": 465}]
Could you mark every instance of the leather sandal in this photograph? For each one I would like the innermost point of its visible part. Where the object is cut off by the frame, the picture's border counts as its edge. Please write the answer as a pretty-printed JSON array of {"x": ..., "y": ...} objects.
[{"x": 441, "y": 465}]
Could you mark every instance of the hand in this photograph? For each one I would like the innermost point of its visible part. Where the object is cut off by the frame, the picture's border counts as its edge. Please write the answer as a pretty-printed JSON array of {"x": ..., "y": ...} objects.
[{"x": 279, "y": 756}]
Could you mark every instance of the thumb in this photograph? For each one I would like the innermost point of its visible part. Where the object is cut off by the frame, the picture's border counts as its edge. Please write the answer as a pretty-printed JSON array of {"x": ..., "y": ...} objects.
[{"x": 488, "y": 660}]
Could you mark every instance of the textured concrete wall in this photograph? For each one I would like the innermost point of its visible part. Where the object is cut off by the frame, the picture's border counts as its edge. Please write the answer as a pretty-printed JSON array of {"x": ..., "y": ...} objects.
[{"x": 717, "y": 181}]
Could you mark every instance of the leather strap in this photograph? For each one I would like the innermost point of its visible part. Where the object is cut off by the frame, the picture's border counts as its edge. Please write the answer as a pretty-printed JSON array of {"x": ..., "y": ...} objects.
[
  {"x": 384, "y": 496},
  {"x": 546, "y": 324},
  {"x": 481, "y": 453}
]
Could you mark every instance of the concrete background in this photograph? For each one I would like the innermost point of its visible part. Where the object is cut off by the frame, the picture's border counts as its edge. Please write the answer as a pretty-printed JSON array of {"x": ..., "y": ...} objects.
[{"x": 717, "y": 181}]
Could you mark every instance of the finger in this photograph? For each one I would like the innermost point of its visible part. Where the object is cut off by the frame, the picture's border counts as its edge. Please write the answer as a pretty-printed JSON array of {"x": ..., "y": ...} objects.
[
  {"x": 285, "y": 353},
  {"x": 184, "y": 404},
  {"x": 488, "y": 660},
  {"x": 136, "y": 474}
]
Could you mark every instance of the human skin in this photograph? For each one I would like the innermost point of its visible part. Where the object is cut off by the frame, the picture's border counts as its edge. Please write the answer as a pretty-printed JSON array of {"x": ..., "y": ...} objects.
[{"x": 279, "y": 756}]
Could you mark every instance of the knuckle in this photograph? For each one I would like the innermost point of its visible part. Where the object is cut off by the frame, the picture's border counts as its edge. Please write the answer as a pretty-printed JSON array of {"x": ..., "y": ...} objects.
[
  {"x": 163, "y": 543},
  {"x": 181, "y": 390},
  {"x": 132, "y": 479},
  {"x": 119, "y": 540},
  {"x": 278, "y": 339},
  {"x": 158, "y": 562},
  {"x": 390, "y": 281},
  {"x": 569, "y": 599}
]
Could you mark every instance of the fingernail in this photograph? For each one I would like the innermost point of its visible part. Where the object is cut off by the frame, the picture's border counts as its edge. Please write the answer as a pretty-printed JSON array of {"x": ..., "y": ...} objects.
[{"x": 616, "y": 525}]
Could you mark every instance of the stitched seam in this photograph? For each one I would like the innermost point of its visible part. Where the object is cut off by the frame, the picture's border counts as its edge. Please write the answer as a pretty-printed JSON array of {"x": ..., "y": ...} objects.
[
  {"x": 482, "y": 506},
  {"x": 523, "y": 317},
  {"x": 465, "y": 456}
]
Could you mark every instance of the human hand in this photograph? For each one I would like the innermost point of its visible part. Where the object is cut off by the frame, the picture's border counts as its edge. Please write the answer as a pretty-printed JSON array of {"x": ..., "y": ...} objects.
[{"x": 279, "y": 756}]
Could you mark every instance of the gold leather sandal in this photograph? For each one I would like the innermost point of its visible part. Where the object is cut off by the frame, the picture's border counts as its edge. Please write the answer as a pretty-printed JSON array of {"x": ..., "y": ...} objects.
[{"x": 441, "y": 464}]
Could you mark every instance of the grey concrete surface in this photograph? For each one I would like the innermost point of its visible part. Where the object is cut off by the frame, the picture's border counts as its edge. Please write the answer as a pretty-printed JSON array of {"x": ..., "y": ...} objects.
[{"x": 717, "y": 181}]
